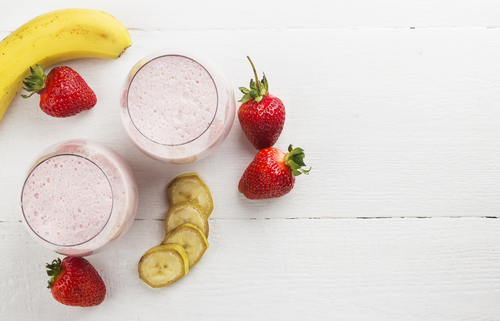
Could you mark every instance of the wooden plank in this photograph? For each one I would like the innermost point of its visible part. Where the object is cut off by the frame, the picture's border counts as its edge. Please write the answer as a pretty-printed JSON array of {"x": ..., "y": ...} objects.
[
  {"x": 342, "y": 269},
  {"x": 274, "y": 14},
  {"x": 394, "y": 123}
]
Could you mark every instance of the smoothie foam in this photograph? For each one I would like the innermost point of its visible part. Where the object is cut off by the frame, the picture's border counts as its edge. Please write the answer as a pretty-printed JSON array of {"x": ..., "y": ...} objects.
[
  {"x": 67, "y": 200},
  {"x": 79, "y": 197},
  {"x": 172, "y": 100}
]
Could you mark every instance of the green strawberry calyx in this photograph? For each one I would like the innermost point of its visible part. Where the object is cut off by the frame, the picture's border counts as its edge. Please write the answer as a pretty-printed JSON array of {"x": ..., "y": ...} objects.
[
  {"x": 258, "y": 89},
  {"x": 53, "y": 270},
  {"x": 35, "y": 82},
  {"x": 295, "y": 159}
]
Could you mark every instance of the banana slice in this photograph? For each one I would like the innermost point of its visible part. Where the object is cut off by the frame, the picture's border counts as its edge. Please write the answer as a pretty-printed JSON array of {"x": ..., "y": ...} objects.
[
  {"x": 186, "y": 212},
  {"x": 163, "y": 265},
  {"x": 191, "y": 238},
  {"x": 190, "y": 187}
]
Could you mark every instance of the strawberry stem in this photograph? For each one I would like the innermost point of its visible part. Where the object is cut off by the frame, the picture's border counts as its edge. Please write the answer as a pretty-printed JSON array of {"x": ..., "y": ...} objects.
[
  {"x": 257, "y": 82},
  {"x": 53, "y": 271},
  {"x": 295, "y": 159},
  {"x": 258, "y": 89},
  {"x": 35, "y": 82}
]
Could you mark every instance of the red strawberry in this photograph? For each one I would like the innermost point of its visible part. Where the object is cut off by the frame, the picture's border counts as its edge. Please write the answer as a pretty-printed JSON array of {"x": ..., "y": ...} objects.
[
  {"x": 261, "y": 115},
  {"x": 272, "y": 173},
  {"x": 75, "y": 282},
  {"x": 63, "y": 92}
]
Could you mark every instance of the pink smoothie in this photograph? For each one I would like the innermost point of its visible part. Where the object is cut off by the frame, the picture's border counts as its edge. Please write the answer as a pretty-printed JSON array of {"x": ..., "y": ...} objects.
[
  {"x": 79, "y": 197},
  {"x": 172, "y": 100},
  {"x": 177, "y": 108},
  {"x": 67, "y": 200}
]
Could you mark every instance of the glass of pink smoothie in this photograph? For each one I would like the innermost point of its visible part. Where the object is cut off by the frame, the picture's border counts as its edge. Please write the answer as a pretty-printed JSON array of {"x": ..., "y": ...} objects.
[
  {"x": 79, "y": 197},
  {"x": 177, "y": 107}
]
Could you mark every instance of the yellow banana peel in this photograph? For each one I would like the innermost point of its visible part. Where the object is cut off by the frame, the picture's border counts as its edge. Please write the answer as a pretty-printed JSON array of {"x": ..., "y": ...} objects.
[{"x": 55, "y": 37}]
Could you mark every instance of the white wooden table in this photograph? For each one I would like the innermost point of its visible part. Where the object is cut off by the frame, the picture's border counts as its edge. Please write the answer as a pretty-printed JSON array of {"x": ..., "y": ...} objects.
[{"x": 397, "y": 105}]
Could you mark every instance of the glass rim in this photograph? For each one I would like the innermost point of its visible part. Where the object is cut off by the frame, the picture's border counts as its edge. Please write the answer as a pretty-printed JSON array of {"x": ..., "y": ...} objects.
[
  {"x": 109, "y": 215},
  {"x": 158, "y": 56}
]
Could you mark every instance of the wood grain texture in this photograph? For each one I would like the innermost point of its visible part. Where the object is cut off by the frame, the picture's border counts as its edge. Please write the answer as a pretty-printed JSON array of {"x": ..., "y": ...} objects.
[
  {"x": 277, "y": 269},
  {"x": 409, "y": 118},
  {"x": 274, "y": 14},
  {"x": 396, "y": 104}
]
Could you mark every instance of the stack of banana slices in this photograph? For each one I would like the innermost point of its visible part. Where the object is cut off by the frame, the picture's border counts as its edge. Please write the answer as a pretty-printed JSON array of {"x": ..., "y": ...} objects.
[{"x": 186, "y": 232}]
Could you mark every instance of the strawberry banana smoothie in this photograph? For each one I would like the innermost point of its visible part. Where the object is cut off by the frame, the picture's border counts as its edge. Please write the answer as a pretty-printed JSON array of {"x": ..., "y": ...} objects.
[
  {"x": 177, "y": 108},
  {"x": 78, "y": 197}
]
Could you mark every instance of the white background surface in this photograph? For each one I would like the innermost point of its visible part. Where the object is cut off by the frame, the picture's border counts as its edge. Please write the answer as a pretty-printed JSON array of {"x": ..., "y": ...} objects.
[{"x": 397, "y": 105}]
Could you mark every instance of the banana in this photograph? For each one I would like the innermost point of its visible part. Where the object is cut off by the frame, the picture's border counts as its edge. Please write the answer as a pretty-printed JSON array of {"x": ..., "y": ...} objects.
[
  {"x": 190, "y": 187},
  {"x": 191, "y": 238},
  {"x": 186, "y": 212},
  {"x": 55, "y": 37},
  {"x": 163, "y": 265}
]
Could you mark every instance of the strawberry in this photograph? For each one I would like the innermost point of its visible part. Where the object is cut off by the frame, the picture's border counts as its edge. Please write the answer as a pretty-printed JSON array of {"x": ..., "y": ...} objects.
[
  {"x": 63, "y": 92},
  {"x": 75, "y": 282},
  {"x": 272, "y": 173},
  {"x": 261, "y": 115}
]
